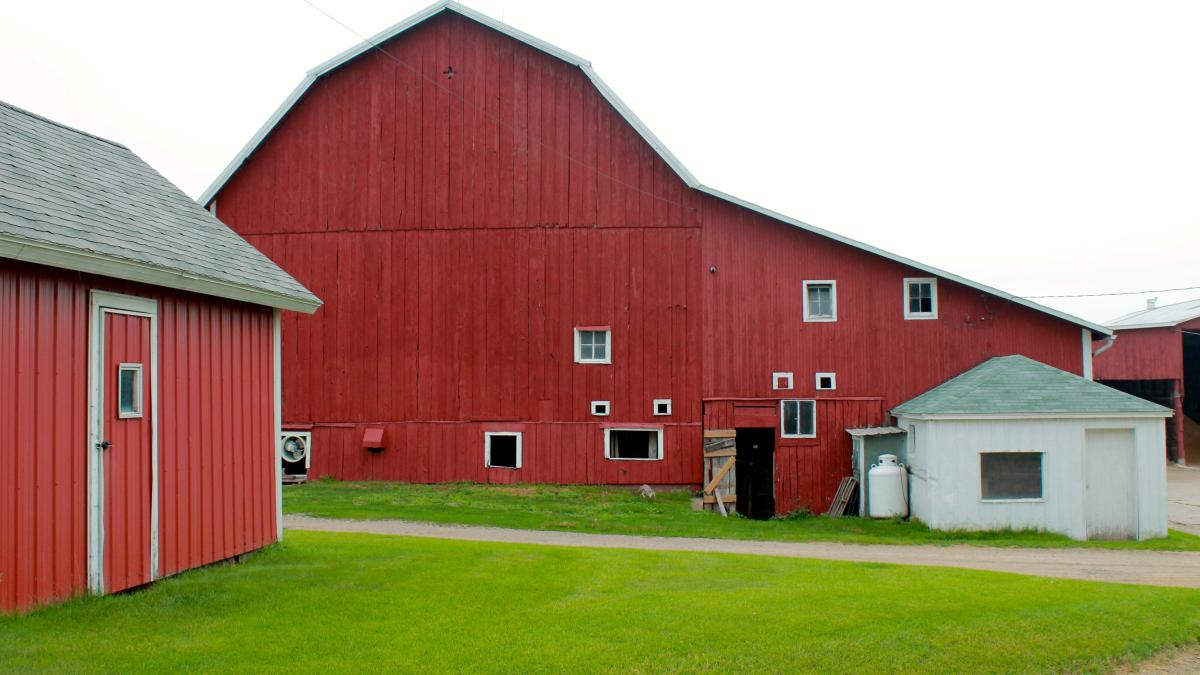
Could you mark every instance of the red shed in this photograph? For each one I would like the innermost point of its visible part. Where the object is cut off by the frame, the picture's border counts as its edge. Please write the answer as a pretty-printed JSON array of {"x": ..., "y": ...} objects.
[
  {"x": 524, "y": 284},
  {"x": 138, "y": 403},
  {"x": 1156, "y": 355}
]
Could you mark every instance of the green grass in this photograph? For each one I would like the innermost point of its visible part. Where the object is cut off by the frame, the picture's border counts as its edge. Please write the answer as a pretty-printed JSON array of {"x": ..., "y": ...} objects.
[
  {"x": 620, "y": 511},
  {"x": 337, "y": 602}
]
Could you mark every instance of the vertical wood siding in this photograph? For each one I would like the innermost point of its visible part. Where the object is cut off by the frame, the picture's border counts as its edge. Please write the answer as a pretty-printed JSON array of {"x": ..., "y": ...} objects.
[
  {"x": 1142, "y": 354},
  {"x": 216, "y": 432},
  {"x": 459, "y": 228}
]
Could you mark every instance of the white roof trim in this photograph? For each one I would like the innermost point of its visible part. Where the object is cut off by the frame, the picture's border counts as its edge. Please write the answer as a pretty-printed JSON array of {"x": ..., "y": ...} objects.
[
  {"x": 42, "y": 253},
  {"x": 611, "y": 96},
  {"x": 1023, "y": 416}
]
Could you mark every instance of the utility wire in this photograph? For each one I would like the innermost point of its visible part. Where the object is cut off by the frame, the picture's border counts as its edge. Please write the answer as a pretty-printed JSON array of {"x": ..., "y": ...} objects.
[
  {"x": 485, "y": 113},
  {"x": 1101, "y": 295}
]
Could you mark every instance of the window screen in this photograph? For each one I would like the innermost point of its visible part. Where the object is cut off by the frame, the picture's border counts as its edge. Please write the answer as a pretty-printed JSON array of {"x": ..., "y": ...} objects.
[
  {"x": 593, "y": 345},
  {"x": 1010, "y": 475},
  {"x": 633, "y": 444},
  {"x": 820, "y": 301},
  {"x": 798, "y": 419}
]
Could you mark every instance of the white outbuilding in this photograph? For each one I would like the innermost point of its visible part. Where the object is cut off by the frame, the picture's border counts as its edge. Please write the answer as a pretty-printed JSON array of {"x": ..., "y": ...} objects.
[{"x": 1014, "y": 443}]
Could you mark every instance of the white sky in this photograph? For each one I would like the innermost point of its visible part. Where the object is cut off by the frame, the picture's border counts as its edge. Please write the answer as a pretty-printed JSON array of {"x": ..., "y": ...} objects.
[{"x": 1039, "y": 147}]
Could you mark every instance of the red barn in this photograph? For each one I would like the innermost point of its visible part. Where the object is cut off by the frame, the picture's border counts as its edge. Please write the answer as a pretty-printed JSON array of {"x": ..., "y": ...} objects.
[
  {"x": 1156, "y": 355},
  {"x": 523, "y": 284},
  {"x": 138, "y": 397}
]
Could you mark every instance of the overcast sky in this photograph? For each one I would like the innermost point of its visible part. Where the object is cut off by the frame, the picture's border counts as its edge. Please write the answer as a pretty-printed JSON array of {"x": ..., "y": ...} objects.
[{"x": 1039, "y": 147}]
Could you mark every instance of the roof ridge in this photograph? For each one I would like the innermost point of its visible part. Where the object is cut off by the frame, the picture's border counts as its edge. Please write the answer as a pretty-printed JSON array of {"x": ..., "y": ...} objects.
[{"x": 22, "y": 111}]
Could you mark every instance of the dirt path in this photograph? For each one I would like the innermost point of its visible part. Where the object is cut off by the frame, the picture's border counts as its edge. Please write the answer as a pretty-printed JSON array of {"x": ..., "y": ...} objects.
[
  {"x": 1183, "y": 498},
  {"x": 1159, "y": 568}
]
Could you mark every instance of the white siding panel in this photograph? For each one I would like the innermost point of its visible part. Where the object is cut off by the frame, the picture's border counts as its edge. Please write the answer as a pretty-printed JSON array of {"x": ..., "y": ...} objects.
[{"x": 946, "y": 480}]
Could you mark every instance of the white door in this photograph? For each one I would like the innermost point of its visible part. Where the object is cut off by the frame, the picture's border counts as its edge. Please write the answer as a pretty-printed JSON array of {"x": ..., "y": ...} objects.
[{"x": 1110, "y": 490}]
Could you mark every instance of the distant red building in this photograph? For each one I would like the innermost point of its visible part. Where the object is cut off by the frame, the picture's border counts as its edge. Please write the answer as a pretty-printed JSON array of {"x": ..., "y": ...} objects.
[
  {"x": 138, "y": 375},
  {"x": 1156, "y": 355},
  {"x": 523, "y": 284}
]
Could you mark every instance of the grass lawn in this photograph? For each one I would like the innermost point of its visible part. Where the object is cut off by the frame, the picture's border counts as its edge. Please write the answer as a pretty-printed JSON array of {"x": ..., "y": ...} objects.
[
  {"x": 341, "y": 602},
  {"x": 620, "y": 511}
]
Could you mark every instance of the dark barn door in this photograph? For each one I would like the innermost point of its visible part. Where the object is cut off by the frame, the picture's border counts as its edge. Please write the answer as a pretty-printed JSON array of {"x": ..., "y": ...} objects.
[{"x": 756, "y": 472}]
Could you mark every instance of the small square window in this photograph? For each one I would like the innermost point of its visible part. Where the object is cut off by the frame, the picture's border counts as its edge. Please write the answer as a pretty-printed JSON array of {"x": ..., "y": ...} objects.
[
  {"x": 644, "y": 444},
  {"x": 129, "y": 390},
  {"x": 781, "y": 381},
  {"x": 826, "y": 380},
  {"x": 600, "y": 408},
  {"x": 798, "y": 419},
  {"x": 1010, "y": 475},
  {"x": 920, "y": 298},
  {"x": 592, "y": 345},
  {"x": 662, "y": 406},
  {"x": 502, "y": 449},
  {"x": 820, "y": 301}
]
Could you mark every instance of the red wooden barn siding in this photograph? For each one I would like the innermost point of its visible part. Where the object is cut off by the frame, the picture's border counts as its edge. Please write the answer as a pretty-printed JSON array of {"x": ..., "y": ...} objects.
[
  {"x": 216, "y": 445},
  {"x": 1142, "y": 354},
  {"x": 456, "y": 255},
  {"x": 753, "y": 318},
  {"x": 404, "y": 202}
]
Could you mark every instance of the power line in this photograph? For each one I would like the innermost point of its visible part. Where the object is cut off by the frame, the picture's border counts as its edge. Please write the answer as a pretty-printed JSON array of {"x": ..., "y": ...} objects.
[
  {"x": 497, "y": 120},
  {"x": 1101, "y": 295}
]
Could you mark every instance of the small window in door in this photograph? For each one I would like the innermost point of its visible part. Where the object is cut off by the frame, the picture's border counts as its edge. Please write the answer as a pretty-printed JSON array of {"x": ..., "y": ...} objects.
[{"x": 129, "y": 390}]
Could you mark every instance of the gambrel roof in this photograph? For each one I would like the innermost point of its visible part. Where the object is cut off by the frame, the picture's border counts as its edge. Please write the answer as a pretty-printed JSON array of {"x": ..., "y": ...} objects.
[
  {"x": 609, "y": 95},
  {"x": 77, "y": 201}
]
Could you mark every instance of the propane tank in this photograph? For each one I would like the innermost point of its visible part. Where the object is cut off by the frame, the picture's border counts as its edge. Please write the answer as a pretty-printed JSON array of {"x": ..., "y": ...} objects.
[{"x": 887, "y": 488}]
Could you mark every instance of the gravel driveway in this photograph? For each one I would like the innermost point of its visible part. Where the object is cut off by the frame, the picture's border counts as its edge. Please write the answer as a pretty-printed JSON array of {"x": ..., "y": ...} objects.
[{"x": 1159, "y": 568}]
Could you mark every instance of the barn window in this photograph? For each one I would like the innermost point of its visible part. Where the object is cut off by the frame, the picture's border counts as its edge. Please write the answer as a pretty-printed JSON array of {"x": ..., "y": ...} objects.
[
  {"x": 662, "y": 406},
  {"x": 798, "y": 418},
  {"x": 502, "y": 449},
  {"x": 781, "y": 381},
  {"x": 593, "y": 345},
  {"x": 820, "y": 301},
  {"x": 633, "y": 444},
  {"x": 1010, "y": 475},
  {"x": 129, "y": 390},
  {"x": 600, "y": 408},
  {"x": 826, "y": 380},
  {"x": 920, "y": 298}
]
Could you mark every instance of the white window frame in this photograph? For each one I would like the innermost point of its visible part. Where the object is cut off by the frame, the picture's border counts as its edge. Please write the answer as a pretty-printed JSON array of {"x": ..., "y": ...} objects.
[
  {"x": 832, "y": 297},
  {"x": 913, "y": 316},
  {"x": 662, "y": 451},
  {"x": 138, "y": 400},
  {"x": 487, "y": 448},
  {"x": 832, "y": 381},
  {"x": 661, "y": 401},
  {"x": 782, "y": 426},
  {"x": 776, "y": 377},
  {"x": 1012, "y": 500},
  {"x": 579, "y": 330},
  {"x": 607, "y": 408}
]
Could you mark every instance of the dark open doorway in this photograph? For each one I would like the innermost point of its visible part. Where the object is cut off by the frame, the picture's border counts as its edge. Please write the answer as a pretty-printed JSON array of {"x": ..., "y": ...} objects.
[{"x": 756, "y": 472}]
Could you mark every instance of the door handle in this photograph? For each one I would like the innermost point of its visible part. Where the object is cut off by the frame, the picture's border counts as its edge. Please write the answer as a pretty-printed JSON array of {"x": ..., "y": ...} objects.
[{"x": 104, "y": 445}]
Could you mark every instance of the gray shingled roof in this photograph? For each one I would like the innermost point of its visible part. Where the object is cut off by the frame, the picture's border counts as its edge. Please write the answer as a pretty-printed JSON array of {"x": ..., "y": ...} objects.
[
  {"x": 1019, "y": 385},
  {"x": 82, "y": 202}
]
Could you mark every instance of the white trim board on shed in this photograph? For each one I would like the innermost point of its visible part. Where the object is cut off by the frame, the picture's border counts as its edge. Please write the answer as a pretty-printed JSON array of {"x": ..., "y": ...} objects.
[{"x": 663, "y": 152}]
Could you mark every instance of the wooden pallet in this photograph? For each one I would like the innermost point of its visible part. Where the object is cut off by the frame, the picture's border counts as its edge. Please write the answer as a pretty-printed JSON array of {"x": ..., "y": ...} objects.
[{"x": 846, "y": 492}]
